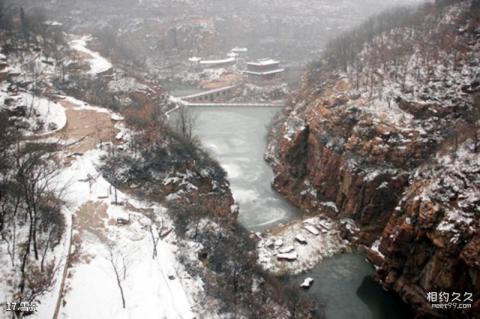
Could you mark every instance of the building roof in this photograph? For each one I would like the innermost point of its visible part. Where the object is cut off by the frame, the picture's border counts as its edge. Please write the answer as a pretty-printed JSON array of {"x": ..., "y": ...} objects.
[
  {"x": 222, "y": 61},
  {"x": 264, "y": 62},
  {"x": 265, "y": 73}
]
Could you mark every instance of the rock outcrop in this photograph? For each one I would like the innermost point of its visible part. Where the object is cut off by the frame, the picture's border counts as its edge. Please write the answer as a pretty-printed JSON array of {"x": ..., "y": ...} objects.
[
  {"x": 396, "y": 151},
  {"x": 431, "y": 242}
]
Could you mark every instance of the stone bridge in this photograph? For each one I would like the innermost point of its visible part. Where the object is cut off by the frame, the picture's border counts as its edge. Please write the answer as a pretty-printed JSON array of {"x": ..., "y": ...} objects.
[
  {"x": 209, "y": 98},
  {"x": 210, "y": 95}
]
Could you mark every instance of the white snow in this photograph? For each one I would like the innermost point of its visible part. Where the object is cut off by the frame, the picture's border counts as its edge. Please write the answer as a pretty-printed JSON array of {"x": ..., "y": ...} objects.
[
  {"x": 46, "y": 308},
  {"x": 212, "y": 74},
  {"x": 243, "y": 195},
  {"x": 330, "y": 205},
  {"x": 453, "y": 176},
  {"x": 119, "y": 136},
  {"x": 233, "y": 170},
  {"x": 455, "y": 218},
  {"x": 286, "y": 250},
  {"x": 312, "y": 230},
  {"x": 288, "y": 256},
  {"x": 278, "y": 243},
  {"x": 98, "y": 64},
  {"x": 127, "y": 84},
  {"x": 213, "y": 62},
  {"x": 148, "y": 289},
  {"x": 153, "y": 287},
  {"x": 375, "y": 247},
  {"x": 280, "y": 260},
  {"x": 49, "y": 112},
  {"x": 117, "y": 117},
  {"x": 84, "y": 105},
  {"x": 301, "y": 239},
  {"x": 52, "y": 23},
  {"x": 307, "y": 283},
  {"x": 194, "y": 59}
]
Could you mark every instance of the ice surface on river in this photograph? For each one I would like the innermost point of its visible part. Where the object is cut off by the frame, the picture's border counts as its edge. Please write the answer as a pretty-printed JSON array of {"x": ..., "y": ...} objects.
[{"x": 236, "y": 136}]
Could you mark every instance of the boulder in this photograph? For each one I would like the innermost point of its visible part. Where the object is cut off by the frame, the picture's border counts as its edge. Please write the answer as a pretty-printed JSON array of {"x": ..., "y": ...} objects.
[
  {"x": 311, "y": 229},
  {"x": 307, "y": 283},
  {"x": 286, "y": 249},
  {"x": 288, "y": 256},
  {"x": 299, "y": 238}
]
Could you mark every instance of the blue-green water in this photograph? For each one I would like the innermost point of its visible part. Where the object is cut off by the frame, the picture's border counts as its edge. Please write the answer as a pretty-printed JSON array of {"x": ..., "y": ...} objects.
[{"x": 344, "y": 289}]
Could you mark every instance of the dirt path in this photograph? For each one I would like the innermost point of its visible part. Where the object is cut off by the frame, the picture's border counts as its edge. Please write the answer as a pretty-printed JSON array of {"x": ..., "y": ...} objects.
[
  {"x": 84, "y": 130},
  {"x": 91, "y": 217}
]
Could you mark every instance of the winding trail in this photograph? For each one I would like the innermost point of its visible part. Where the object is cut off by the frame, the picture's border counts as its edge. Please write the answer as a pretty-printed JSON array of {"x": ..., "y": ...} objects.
[
  {"x": 88, "y": 289},
  {"x": 86, "y": 128},
  {"x": 88, "y": 286},
  {"x": 98, "y": 64}
]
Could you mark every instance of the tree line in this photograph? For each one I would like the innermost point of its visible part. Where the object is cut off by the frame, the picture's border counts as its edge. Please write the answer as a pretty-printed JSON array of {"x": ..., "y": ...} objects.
[{"x": 382, "y": 47}]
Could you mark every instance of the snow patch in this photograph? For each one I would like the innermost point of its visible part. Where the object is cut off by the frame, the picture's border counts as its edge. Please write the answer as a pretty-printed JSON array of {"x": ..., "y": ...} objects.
[{"x": 98, "y": 64}]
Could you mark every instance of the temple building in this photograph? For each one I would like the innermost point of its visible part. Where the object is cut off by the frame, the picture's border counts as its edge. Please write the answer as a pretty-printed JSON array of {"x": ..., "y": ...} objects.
[{"x": 264, "y": 70}]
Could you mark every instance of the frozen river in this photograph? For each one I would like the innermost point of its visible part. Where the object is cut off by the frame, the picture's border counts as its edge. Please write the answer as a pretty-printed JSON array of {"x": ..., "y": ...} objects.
[{"x": 236, "y": 137}]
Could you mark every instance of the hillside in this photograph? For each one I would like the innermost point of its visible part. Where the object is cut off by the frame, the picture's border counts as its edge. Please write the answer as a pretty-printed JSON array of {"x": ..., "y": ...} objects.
[
  {"x": 385, "y": 127},
  {"x": 163, "y": 34},
  {"x": 107, "y": 211}
]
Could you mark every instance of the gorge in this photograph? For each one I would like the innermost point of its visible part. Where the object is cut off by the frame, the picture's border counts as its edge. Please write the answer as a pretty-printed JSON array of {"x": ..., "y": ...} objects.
[{"x": 324, "y": 163}]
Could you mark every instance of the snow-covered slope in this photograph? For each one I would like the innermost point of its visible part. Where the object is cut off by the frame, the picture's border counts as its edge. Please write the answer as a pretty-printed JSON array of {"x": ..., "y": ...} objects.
[
  {"x": 84, "y": 283},
  {"x": 98, "y": 64},
  {"x": 152, "y": 287}
]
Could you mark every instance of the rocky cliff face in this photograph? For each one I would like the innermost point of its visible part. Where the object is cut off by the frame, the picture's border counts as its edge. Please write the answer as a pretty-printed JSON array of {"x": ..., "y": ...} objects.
[
  {"x": 339, "y": 155},
  {"x": 338, "y": 149},
  {"x": 395, "y": 149},
  {"x": 431, "y": 242}
]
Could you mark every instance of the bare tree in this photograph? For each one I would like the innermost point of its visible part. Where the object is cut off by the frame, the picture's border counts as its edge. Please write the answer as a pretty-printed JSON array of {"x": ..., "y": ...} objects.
[
  {"x": 119, "y": 265},
  {"x": 38, "y": 281},
  {"x": 156, "y": 234},
  {"x": 10, "y": 201},
  {"x": 185, "y": 122}
]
